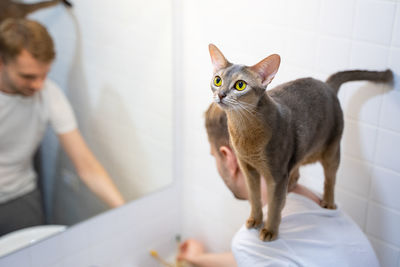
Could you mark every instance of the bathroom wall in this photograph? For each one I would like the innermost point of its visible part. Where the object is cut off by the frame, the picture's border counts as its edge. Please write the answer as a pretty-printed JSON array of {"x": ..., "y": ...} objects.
[{"x": 314, "y": 38}]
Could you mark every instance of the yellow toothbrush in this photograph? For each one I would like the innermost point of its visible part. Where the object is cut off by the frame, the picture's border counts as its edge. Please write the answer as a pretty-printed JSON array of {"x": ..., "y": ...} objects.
[{"x": 157, "y": 257}]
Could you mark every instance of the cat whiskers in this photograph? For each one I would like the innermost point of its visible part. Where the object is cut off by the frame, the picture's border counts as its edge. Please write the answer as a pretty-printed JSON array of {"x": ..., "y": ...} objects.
[
  {"x": 235, "y": 107},
  {"x": 242, "y": 109},
  {"x": 248, "y": 108},
  {"x": 251, "y": 109}
]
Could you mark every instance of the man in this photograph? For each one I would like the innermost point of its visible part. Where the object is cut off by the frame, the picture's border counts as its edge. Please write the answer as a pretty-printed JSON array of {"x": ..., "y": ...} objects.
[
  {"x": 28, "y": 101},
  {"x": 309, "y": 235}
]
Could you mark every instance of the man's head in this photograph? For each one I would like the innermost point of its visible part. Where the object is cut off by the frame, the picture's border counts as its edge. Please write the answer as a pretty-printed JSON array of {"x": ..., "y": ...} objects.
[
  {"x": 227, "y": 165},
  {"x": 26, "y": 54}
]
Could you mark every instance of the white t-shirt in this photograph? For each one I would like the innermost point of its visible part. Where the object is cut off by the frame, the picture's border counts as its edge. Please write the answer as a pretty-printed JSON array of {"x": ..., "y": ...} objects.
[
  {"x": 309, "y": 236},
  {"x": 23, "y": 123}
]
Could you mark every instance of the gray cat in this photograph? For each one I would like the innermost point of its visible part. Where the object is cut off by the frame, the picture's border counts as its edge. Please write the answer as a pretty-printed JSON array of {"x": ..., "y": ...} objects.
[{"x": 274, "y": 132}]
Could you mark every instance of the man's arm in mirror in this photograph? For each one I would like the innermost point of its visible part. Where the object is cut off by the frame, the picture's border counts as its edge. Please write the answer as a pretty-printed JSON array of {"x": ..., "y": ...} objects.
[
  {"x": 193, "y": 252},
  {"x": 89, "y": 169}
]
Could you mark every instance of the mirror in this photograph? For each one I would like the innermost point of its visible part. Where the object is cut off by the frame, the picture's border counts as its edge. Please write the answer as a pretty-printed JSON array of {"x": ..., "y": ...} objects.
[{"x": 114, "y": 63}]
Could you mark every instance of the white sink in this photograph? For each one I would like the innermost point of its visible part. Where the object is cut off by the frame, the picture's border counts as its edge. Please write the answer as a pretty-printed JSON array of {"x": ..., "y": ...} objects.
[{"x": 21, "y": 238}]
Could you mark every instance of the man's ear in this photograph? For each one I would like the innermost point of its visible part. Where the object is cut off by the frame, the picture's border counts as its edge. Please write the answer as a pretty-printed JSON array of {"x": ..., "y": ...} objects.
[{"x": 229, "y": 157}]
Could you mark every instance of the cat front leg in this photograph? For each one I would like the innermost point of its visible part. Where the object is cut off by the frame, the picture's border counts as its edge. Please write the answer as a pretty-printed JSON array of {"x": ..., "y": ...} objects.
[
  {"x": 276, "y": 201},
  {"x": 254, "y": 193}
]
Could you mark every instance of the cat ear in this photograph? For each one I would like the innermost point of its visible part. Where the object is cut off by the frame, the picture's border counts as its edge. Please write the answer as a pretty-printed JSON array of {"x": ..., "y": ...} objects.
[
  {"x": 217, "y": 58},
  {"x": 267, "y": 68}
]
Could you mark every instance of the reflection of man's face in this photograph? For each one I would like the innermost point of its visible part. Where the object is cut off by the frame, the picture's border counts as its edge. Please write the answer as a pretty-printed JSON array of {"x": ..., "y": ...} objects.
[
  {"x": 24, "y": 75},
  {"x": 225, "y": 174}
]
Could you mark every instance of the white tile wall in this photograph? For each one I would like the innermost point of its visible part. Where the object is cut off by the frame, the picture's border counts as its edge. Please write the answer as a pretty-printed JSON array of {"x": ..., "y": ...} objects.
[
  {"x": 331, "y": 10},
  {"x": 369, "y": 56},
  {"x": 333, "y": 54},
  {"x": 374, "y": 21},
  {"x": 384, "y": 184},
  {"x": 314, "y": 38},
  {"x": 388, "y": 145},
  {"x": 394, "y": 59},
  {"x": 305, "y": 42},
  {"x": 354, "y": 175},
  {"x": 359, "y": 140},
  {"x": 306, "y": 19},
  {"x": 363, "y": 102},
  {"x": 390, "y": 107},
  {"x": 396, "y": 30}
]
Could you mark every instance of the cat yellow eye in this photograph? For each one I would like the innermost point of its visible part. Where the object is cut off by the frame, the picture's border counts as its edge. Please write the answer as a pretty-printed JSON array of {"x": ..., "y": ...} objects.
[
  {"x": 217, "y": 81},
  {"x": 240, "y": 85}
]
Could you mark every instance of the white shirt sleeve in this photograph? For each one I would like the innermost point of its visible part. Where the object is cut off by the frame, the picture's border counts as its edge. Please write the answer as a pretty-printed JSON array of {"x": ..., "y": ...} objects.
[{"x": 61, "y": 115}]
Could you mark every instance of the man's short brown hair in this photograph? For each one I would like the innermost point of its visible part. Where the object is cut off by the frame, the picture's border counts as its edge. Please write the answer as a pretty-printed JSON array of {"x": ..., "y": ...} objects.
[
  {"x": 19, "y": 34},
  {"x": 217, "y": 126}
]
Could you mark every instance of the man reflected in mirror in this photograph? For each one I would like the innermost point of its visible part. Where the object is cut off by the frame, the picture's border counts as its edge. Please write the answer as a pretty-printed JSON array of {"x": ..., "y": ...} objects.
[{"x": 28, "y": 102}]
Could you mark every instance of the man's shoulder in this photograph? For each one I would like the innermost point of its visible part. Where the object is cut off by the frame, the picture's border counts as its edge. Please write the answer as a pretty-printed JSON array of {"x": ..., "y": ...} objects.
[
  {"x": 52, "y": 91},
  {"x": 249, "y": 238},
  {"x": 50, "y": 86},
  {"x": 249, "y": 250}
]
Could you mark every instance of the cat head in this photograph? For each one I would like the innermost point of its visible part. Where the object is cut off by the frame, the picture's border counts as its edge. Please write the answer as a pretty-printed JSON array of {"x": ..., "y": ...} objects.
[{"x": 238, "y": 86}]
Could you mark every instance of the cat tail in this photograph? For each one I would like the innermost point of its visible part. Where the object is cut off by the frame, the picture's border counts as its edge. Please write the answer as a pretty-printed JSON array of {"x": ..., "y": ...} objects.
[{"x": 337, "y": 79}]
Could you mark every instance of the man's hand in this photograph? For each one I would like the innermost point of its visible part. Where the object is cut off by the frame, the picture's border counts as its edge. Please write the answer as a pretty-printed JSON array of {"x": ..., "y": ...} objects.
[
  {"x": 190, "y": 250},
  {"x": 193, "y": 252}
]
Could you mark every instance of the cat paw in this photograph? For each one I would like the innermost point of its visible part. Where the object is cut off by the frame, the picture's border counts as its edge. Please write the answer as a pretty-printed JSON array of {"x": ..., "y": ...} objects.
[
  {"x": 327, "y": 205},
  {"x": 253, "y": 223},
  {"x": 268, "y": 235}
]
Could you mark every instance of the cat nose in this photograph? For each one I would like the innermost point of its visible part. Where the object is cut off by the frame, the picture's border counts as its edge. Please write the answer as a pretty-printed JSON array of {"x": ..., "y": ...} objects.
[{"x": 221, "y": 95}]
